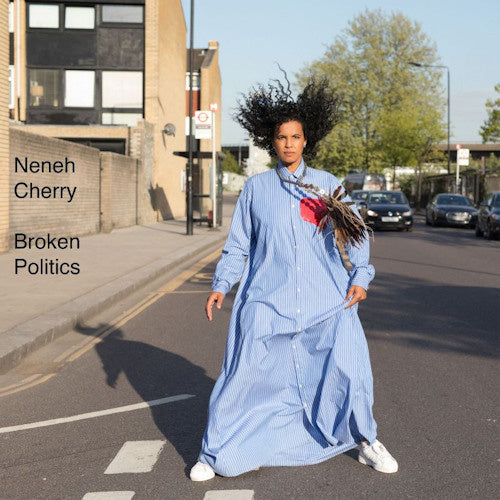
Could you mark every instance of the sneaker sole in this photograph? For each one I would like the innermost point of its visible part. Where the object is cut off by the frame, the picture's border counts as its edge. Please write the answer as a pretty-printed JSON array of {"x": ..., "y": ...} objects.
[{"x": 363, "y": 460}]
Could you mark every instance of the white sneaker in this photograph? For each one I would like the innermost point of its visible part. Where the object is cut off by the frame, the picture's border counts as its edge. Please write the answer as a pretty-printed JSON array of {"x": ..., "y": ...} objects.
[
  {"x": 377, "y": 457},
  {"x": 201, "y": 472}
]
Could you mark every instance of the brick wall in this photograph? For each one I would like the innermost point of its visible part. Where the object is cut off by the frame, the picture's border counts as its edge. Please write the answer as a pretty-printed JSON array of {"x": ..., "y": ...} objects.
[
  {"x": 4, "y": 127},
  {"x": 38, "y": 216},
  {"x": 165, "y": 84},
  {"x": 112, "y": 190},
  {"x": 142, "y": 147},
  {"x": 119, "y": 175}
]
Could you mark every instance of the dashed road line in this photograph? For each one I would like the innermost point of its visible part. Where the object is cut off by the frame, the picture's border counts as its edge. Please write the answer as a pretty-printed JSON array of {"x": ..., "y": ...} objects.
[
  {"x": 109, "y": 495},
  {"x": 229, "y": 495},
  {"x": 94, "y": 414},
  {"x": 136, "y": 457}
]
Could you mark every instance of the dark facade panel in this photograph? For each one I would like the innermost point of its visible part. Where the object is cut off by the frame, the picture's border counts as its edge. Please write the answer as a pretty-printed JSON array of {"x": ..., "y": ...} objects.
[
  {"x": 11, "y": 48},
  {"x": 62, "y": 117},
  {"x": 68, "y": 49},
  {"x": 121, "y": 48}
]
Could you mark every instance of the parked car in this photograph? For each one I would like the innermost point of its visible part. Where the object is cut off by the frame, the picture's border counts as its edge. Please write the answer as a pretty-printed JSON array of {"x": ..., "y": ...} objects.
[
  {"x": 363, "y": 181},
  {"x": 488, "y": 219},
  {"x": 358, "y": 196},
  {"x": 452, "y": 210},
  {"x": 387, "y": 209}
]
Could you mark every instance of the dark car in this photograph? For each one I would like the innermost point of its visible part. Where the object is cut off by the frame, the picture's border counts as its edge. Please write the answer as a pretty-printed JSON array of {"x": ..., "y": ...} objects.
[
  {"x": 488, "y": 219},
  {"x": 358, "y": 196},
  {"x": 387, "y": 209},
  {"x": 452, "y": 210}
]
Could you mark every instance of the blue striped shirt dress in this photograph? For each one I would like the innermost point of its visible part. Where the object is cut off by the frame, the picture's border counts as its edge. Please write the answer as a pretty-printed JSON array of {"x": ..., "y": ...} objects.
[{"x": 296, "y": 385}]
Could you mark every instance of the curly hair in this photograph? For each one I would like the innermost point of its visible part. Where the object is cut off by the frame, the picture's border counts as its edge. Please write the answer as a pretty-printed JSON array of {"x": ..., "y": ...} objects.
[{"x": 262, "y": 111}]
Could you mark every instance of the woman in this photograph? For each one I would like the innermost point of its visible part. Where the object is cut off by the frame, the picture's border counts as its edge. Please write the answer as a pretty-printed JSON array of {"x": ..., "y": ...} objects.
[{"x": 296, "y": 382}]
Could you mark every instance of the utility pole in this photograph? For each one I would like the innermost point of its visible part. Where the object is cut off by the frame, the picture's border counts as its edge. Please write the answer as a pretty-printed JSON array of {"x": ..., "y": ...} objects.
[{"x": 189, "y": 177}]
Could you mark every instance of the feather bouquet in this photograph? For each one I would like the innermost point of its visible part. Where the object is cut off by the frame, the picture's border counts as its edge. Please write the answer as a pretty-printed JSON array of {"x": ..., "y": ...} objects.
[{"x": 347, "y": 227}]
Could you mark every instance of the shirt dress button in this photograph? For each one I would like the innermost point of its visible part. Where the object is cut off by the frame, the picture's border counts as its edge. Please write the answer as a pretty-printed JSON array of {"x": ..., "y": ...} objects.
[{"x": 304, "y": 405}]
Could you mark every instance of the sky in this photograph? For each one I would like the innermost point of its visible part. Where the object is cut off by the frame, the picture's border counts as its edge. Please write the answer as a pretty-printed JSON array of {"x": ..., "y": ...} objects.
[{"x": 254, "y": 35}]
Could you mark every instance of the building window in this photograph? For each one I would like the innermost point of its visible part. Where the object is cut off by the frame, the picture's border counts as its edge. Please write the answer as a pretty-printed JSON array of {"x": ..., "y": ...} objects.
[
  {"x": 11, "y": 87},
  {"x": 122, "y": 13},
  {"x": 44, "y": 87},
  {"x": 129, "y": 119},
  {"x": 43, "y": 15},
  {"x": 122, "y": 89},
  {"x": 11, "y": 17},
  {"x": 80, "y": 18},
  {"x": 79, "y": 89}
]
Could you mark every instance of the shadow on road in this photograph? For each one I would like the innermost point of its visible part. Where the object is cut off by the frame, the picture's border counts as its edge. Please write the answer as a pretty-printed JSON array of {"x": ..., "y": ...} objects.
[
  {"x": 155, "y": 373},
  {"x": 450, "y": 318}
]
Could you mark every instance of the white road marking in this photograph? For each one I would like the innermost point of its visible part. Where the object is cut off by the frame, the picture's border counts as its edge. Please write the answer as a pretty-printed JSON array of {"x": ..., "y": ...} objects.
[
  {"x": 229, "y": 495},
  {"x": 109, "y": 495},
  {"x": 135, "y": 457},
  {"x": 94, "y": 414}
]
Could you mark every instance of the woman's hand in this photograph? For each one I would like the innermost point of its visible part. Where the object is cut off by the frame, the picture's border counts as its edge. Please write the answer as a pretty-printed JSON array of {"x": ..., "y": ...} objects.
[
  {"x": 213, "y": 298},
  {"x": 356, "y": 294}
]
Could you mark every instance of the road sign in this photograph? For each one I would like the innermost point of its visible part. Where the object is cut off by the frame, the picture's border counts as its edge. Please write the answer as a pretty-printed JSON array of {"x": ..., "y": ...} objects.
[
  {"x": 203, "y": 124},
  {"x": 213, "y": 106},
  {"x": 463, "y": 157}
]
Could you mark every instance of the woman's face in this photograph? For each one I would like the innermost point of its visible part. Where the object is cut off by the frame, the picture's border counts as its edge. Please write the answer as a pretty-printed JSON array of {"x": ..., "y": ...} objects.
[{"x": 289, "y": 142}]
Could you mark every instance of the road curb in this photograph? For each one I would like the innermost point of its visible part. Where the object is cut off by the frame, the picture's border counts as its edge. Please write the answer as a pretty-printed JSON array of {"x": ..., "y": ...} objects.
[{"x": 18, "y": 342}]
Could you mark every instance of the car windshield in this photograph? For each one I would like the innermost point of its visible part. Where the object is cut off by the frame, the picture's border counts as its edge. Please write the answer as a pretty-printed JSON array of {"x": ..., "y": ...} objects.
[
  {"x": 359, "y": 195},
  {"x": 387, "y": 198},
  {"x": 453, "y": 199}
]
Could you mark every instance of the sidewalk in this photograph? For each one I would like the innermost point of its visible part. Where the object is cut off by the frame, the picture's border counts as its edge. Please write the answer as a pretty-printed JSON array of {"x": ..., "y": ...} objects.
[{"x": 36, "y": 309}]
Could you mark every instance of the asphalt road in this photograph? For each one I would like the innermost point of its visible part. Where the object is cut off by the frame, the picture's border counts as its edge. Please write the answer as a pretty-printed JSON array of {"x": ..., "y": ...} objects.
[{"x": 431, "y": 319}]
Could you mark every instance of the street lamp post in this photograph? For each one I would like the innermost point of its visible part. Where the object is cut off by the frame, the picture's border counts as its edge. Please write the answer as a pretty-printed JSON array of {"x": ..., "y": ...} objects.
[
  {"x": 420, "y": 65},
  {"x": 189, "y": 183}
]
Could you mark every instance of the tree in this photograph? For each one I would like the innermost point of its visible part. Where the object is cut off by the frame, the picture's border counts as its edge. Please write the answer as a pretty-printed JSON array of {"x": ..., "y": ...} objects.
[
  {"x": 388, "y": 105},
  {"x": 490, "y": 130},
  {"x": 230, "y": 164}
]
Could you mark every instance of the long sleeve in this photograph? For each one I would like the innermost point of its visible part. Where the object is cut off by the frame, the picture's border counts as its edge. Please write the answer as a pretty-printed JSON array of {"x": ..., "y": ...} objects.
[
  {"x": 363, "y": 272},
  {"x": 235, "y": 252}
]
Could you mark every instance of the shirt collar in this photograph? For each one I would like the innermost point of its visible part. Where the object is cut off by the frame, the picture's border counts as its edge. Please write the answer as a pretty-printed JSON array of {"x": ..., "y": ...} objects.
[{"x": 287, "y": 174}]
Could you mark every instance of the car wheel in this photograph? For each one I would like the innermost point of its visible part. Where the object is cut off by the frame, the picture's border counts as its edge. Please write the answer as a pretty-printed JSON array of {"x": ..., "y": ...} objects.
[
  {"x": 478, "y": 231},
  {"x": 433, "y": 221},
  {"x": 427, "y": 221}
]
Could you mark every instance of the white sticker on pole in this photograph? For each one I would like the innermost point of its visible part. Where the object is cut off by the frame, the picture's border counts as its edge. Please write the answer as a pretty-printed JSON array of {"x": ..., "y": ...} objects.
[
  {"x": 213, "y": 106},
  {"x": 463, "y": 157},
  {"x": 203, "y": 124}
]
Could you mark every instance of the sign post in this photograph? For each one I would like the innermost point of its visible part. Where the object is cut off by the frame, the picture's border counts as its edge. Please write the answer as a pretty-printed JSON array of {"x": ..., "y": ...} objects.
[
  {"x": 462, "y": 161},
  {"x": 213, "y": 109}
]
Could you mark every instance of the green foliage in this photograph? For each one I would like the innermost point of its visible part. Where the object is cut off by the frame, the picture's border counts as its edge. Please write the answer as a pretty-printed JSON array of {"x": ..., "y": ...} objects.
[
  {"x": 230, "y": 163},
  {"x": 391, "y": 113},
  {"x": 490, "y": 130}
]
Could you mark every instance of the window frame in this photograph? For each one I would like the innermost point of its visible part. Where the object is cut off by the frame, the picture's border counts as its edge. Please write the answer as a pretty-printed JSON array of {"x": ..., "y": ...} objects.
[
  {"x": 59, "y": 84},
  {"x": 64, "y": 89},
  {"x": 121, "y": 24},
  {"x": 66, "y": 6},
  {"x": 28, "y": 16}
]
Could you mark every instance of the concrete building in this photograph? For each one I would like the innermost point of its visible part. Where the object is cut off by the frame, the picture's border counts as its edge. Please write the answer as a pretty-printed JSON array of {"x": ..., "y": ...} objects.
[{"x": 89, "y": 70}]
